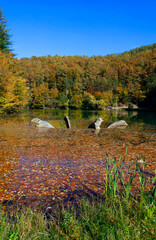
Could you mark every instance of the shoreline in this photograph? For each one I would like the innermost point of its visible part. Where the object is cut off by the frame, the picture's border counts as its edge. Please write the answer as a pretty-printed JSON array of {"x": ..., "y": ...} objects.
[{"x": 134, "y": 109}]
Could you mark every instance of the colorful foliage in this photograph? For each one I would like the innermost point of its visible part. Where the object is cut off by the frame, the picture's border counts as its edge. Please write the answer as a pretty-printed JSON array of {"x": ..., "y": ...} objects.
[
  {"x": 96, "y": 81},
  {"x": 13, "y": 89}
]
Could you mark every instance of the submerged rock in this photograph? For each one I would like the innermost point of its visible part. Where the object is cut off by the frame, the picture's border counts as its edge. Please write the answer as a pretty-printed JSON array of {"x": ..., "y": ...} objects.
[
  {"x": 118, "y": 124},
  {"x": 41, "y": 123},
  {"x": 96, "y": 124}
]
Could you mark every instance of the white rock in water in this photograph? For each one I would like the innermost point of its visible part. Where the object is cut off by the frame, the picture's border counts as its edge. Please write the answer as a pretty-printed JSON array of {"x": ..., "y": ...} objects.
[
  {"x": 35, "y": 120},
  {"x": 44, "y": 124},
  {"x": 41, "y": 123},
  {"x": 118, "y": 124},
  {"x": 98, "y": 123}
]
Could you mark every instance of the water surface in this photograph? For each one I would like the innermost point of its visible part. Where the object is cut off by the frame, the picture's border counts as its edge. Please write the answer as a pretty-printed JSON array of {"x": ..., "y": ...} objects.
[{"x": 39, "y": 166}]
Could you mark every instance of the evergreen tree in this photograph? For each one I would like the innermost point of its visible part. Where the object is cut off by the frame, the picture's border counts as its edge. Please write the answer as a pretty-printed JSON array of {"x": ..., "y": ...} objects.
[{"x": 4, "y": 35}]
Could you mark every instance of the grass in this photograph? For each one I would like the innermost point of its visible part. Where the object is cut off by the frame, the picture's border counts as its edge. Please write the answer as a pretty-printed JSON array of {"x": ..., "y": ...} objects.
[{"x": 117, "y": 215}]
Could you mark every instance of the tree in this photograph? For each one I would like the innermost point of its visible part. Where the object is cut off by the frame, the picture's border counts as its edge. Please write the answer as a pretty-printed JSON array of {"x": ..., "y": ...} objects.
[
  {"x": 76, "y": 101},
  {"x": 13, "y": 90},
  {"x": 53, "y": 94},
  {"x": 40, "y": 96},
  {"x": 5, "y": 42},
  {"x": 62, "y": 101},
  {"x": 89, "y": 101}
]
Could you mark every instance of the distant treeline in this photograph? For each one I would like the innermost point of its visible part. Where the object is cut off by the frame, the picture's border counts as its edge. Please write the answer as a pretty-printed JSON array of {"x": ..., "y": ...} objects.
[{"x": 78, "y": 82}]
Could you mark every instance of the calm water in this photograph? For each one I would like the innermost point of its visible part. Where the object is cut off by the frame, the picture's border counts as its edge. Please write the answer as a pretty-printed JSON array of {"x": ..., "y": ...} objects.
[
  {"x": 131, "y": 117},
  {"x": 57, "y": 162}
]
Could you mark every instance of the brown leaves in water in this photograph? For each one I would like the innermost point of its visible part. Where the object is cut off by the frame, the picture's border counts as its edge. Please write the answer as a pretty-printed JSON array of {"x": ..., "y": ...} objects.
[{"x": 54, "y": 162}]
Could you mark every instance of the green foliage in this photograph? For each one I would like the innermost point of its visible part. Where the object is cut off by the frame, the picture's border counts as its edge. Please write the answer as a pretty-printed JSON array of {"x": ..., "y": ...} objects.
[
  {"x": 76, "y": 101},
  {"x": 4, "y": 35},
  {"x": 108, "y": 98},
  {"x": 62, "y": 101},
  {"x": 130, "y": 106},
  {"x": 100, "y": 104},
  {"x": 89, "y": 101}
]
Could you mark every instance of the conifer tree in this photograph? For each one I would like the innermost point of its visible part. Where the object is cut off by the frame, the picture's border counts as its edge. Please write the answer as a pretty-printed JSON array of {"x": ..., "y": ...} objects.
[{"x": 5, "y": 42}]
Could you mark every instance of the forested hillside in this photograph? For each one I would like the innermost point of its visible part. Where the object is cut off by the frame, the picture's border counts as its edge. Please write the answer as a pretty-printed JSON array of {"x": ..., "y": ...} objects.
[{"x": 78, "y": 82}]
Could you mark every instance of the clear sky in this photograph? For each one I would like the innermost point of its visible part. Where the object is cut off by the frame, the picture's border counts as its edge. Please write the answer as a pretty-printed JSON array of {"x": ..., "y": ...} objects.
[{"x": 79, "y": 27}]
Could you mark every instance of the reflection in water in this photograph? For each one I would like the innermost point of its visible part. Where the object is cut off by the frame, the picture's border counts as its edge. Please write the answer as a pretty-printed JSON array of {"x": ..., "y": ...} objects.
[{"x": 106, "y": 115}]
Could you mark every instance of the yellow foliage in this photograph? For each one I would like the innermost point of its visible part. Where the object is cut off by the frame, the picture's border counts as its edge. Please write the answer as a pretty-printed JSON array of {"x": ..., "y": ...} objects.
[
  {"x": 40, "y": 96},
  {"x": 13, "y": 91}
]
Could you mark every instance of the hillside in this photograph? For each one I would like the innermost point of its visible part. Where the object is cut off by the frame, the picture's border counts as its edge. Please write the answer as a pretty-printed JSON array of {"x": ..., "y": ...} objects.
[
  {"x": 79, "y": 82},
  {"x": 139, "y": 50}
]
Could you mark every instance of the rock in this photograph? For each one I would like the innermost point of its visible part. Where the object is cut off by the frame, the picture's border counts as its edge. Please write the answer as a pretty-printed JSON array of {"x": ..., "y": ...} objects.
[
  {"x": 96, "y": 124},
  {"x": 118, "y": 124},
  {"x": 41, "y": 123},
  {"x": 35, "y": 120},
  {"x": 44, "y": 124}
]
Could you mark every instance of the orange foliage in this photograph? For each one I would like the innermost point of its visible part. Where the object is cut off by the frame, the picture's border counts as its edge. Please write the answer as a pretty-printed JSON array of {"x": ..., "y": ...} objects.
[{"x": 129, "y": 76}]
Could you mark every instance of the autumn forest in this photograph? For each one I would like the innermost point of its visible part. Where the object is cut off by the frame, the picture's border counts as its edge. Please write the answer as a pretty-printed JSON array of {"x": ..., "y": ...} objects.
[
  {"x": 78, "y": 82},
  {"x": 77, "y": 183}
]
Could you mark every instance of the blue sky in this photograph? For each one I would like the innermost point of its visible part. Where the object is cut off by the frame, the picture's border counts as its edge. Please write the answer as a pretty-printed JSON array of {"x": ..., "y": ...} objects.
[{"x": 67, "y": 28}]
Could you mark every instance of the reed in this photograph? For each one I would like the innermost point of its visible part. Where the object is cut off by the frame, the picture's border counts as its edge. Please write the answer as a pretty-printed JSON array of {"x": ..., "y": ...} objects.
[{"x": 117, "y": 215}]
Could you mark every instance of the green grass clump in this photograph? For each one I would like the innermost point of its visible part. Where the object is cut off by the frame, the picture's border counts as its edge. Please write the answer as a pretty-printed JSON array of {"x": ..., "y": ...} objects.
[{"x": 118, "y": 215}]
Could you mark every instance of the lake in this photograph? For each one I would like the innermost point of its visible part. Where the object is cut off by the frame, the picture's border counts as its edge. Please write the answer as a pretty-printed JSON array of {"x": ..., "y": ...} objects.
[
  {"x": 42, "y": 166},
  {"x": 140, "y": 116}
]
